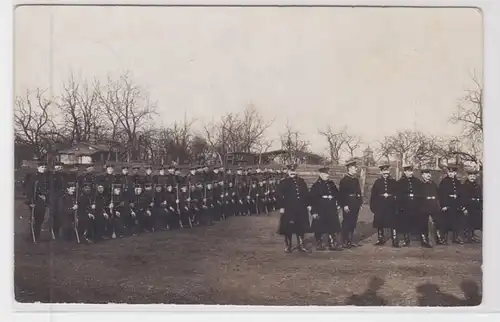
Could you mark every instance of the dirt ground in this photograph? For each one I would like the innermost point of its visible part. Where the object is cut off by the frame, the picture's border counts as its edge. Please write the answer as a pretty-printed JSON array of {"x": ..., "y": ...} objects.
[{"x": 241, "y": 261}]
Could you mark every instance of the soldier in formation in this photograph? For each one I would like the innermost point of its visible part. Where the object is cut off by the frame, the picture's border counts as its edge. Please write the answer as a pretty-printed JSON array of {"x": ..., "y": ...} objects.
[
  {"x": 92, "y": 207},
  {"x": 325, "y": 211}
]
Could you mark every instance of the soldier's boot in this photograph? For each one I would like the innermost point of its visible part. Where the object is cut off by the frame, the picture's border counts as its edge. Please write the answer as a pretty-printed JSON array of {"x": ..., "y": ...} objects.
[
  {"x": 288, "y": 244},
  {"x": 424, "y": 241},
  {"x": 301, "y": 247},
  {"x": 333, "y": 244},
  {"x": 456, "y": 238},
  {"x": 467, "y": 236},
  {"x": 347, "y": 243},
  {"x": 394, "y": 237},
  {"x": 445, "y": 238},
  {"x": 380, "y": 237},
  {"x": 319, "y": 245},
  {"x": 406, "y": 240},
  {"x": 439, "y": 238},
  {"x": 353, "y": 244},
  {"x": 474, "y": 239}
]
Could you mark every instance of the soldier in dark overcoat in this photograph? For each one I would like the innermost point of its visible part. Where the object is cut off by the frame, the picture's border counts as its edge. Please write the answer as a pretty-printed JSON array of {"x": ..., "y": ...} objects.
[
  {"x": 429, "y": 208},
  {"x": 38, "y": 199},
  {"x": 69, "y": 212},
  {"x": 350, "y": 200},
  {"x": 472, "y": 199},
  {"x": 451, "y": 204},
  {"x": 383, "y": 205},
  {"x": 100, "y": 204},
  {"x": 294, "y": 207},
  {"x": 325, "y": 211},
  {"x": 408, "y": 198},
  {"x": 58, "y": 181}
]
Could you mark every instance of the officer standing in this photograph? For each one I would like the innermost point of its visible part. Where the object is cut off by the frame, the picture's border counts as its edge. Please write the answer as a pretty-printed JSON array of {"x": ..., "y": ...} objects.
[
  {"x": 57, "y": 186},
  {"x": 350, "y": 200},
  {"x": 383, "y": 205},
  {"x": 473, "y": 204},
  {"x": 294, "y": 207},
  {"x": 38, "y": 199},
  {"x": 325, "y": 211},
  {"x": 408, "y": 203},
  {"x": 451, "y": 205},
  {"x": 429, "y": 207}
]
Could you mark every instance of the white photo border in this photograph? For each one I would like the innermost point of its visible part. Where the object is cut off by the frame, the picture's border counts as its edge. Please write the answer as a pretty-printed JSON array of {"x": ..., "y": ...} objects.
[{"x": 489, "y": 309}]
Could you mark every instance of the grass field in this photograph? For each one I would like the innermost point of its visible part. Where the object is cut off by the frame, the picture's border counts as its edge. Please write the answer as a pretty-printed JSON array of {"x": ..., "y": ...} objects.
[{"x": 241, "y": 261}]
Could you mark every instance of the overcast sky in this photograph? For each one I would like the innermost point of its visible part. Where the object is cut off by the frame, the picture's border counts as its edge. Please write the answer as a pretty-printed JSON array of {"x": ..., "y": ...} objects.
[{"x": 376, "y": 70}]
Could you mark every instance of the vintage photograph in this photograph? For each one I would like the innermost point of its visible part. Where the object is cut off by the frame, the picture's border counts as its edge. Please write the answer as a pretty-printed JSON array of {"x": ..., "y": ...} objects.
[{"x": 271, "y": 156}]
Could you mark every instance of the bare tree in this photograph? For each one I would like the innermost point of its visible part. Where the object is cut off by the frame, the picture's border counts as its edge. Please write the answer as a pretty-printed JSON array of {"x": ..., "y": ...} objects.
[
  {"x": 411, "y": 147},
  {"x": 82, "y": 114},
  {"x": 237, "y": 132},
  {"x": 336, "y": 141},
  {"x": 351, "y": 144},
  {"x": 293, "y": 144},
  {"x": 128, "y": 108},
  {"x": 469, "y": 115},
  {"x": 33, "y": 122}
]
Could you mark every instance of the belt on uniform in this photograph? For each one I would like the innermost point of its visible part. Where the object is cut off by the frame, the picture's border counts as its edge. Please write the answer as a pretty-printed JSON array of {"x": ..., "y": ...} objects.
[
  {"x": 453, "y": 196},
  {"x": 387, "y": 195},
  {"x": 327, "y": 197},
  {"x": 430, "y": 198},
  {"x": 475, "y": 199},
  {"x": 354, "y": 195}
]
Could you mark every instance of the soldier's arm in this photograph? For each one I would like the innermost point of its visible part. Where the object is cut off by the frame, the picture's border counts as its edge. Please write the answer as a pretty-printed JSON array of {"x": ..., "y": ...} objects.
[
  {"x": 342, "y": 193},
  {"x": 373, "y": 195}
]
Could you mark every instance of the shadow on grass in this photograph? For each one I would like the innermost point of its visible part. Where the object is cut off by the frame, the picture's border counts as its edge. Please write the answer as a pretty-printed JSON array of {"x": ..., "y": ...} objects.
[{"x": 430, "y": 295}]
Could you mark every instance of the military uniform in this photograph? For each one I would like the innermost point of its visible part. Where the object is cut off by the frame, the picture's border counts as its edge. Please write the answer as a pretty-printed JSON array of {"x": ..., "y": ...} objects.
[
  {"x": 408, "y": 197},
  {"x": 350, "y": 200},
  {"x": 451, "y": 204},
  {"x": 472, "y": 200},
  {"x": 294, "y": 206},
  {"x": 101, "y": 202},
  {"x": 429, "y": 208},
  {"x": 57, "y": 186},
  {"x": 38, "y": 198},
  {"x": 383, "y": 206},
  {"x": 69, "y": 212},
  {"x": 324, "y": 207}
]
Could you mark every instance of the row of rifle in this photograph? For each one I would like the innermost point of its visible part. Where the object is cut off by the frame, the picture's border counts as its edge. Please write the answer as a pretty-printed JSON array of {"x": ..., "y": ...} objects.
[{"x": 91, "y": 207}]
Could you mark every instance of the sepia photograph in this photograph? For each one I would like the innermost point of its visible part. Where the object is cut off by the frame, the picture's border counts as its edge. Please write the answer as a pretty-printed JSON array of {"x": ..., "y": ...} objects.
[{"x": 248, "y": 155}]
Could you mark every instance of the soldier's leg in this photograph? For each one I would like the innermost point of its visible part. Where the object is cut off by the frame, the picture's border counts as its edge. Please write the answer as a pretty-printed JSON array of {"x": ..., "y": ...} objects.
[
  {"x": 424, "y": 230},
  {"x": 319, "y": 241},
  {"x": 39, "y": 214},
  {"x": 345, "y": 229},
  {"x": 378, "y": 224},
  {"x": 99, "y": 225},
  {"x": 352, "y": 226},
  {"x": 457, "y": 227}
]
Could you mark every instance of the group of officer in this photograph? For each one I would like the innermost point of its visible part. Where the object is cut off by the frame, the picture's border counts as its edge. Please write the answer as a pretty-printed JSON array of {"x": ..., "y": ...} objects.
[
  {"x": 90, "y": 207},
  {"x": 404, "y": 207}
]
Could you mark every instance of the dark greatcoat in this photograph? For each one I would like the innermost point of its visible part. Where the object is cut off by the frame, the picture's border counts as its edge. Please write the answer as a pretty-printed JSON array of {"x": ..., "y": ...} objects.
[
  {"x": 408, "y": 203},
  {"x": 429, "y": 206},
  {"x": 449, "y": 196},
  {"x": 350, "y": 195},
  {"x": 383, "y": 203},
  {"x": 323, "y": 198},
  {"x": 294, "y": 198},
  {"x": 472, "y": 199}
]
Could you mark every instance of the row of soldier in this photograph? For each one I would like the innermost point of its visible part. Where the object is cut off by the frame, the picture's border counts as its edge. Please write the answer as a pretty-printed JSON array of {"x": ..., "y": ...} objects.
[
  {"x": 404, "y": 207},
  {"x": 92, "y": 207}
]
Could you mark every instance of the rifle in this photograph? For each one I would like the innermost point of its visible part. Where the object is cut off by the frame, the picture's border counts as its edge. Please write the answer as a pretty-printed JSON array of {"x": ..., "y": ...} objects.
[
  {"x": 32, "y": 218},
  {"x": 189, "y": 204},
  {"x": 177, "y": 202},
  {"x": 75, "y": 216},
  {"x": 112, "y": 220}
]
